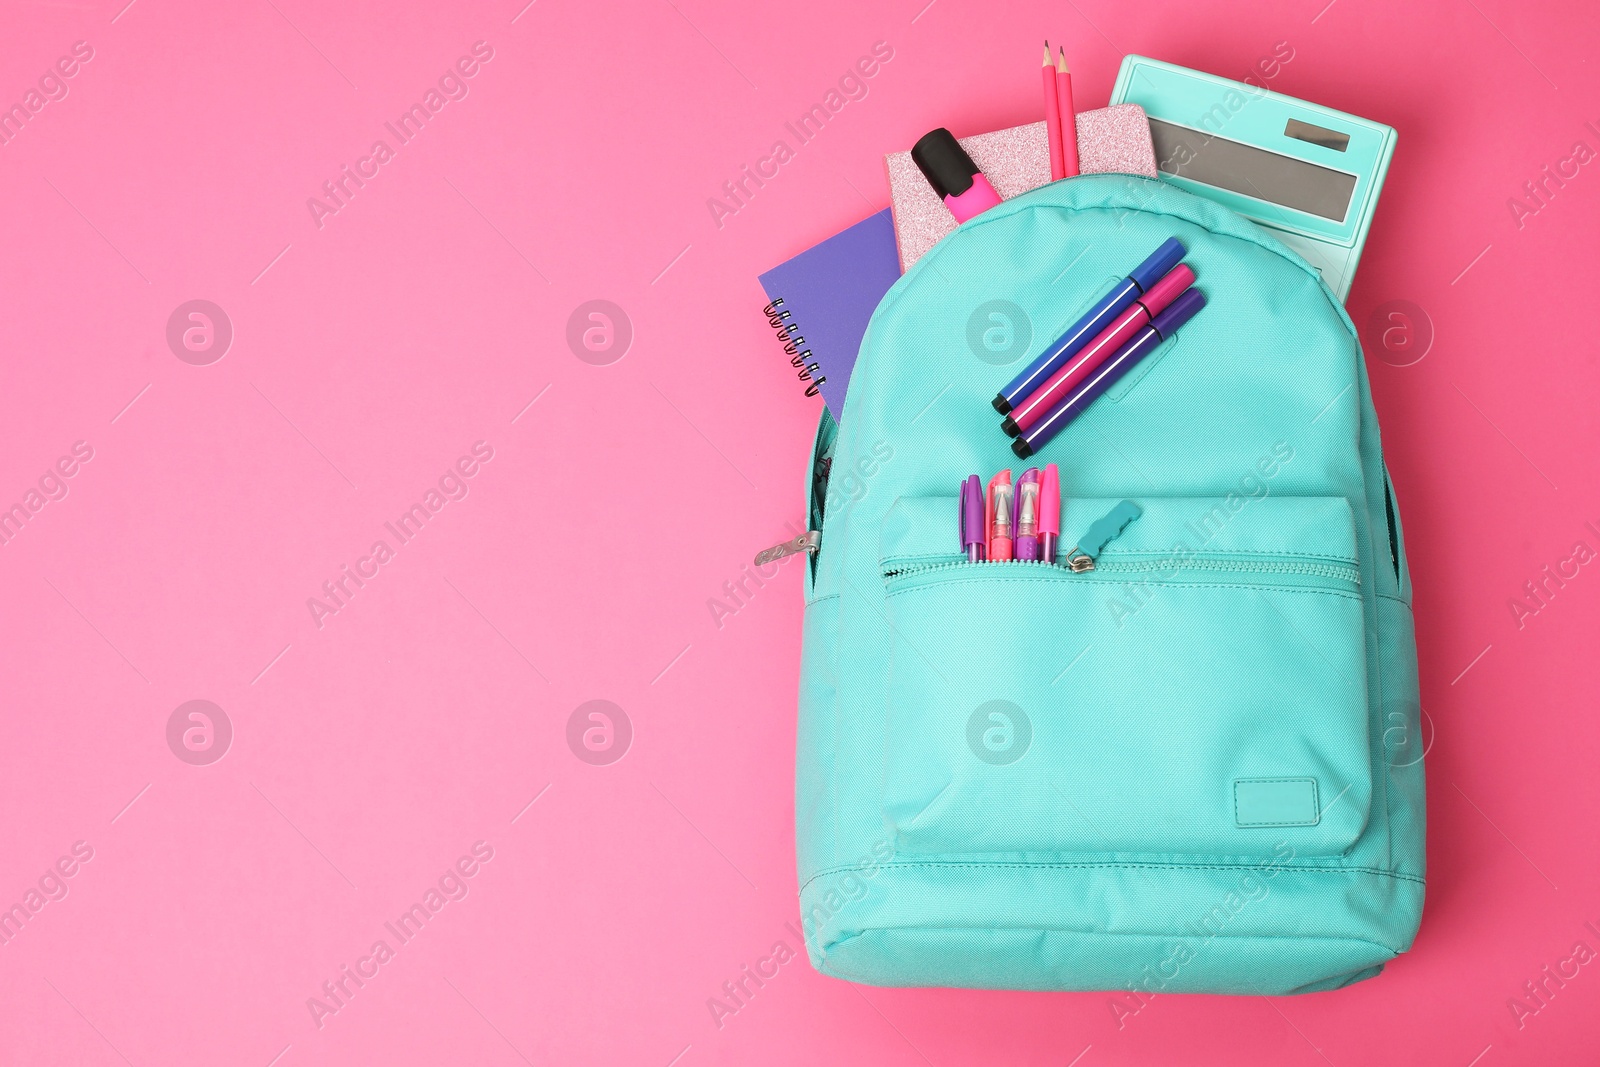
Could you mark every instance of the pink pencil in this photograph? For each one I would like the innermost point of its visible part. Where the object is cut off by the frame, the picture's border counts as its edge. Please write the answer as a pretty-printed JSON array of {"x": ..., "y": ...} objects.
[
  {"x": 1052, "y": 118},
  {"x": 1067, "y": 118}
]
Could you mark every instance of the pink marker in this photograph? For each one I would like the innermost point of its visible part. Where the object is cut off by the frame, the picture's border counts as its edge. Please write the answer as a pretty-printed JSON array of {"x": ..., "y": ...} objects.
[
  {"x": 953, "y": 175},
  {"x": 1049, "y": 513},
  {"x": 1139, "y": 315}
]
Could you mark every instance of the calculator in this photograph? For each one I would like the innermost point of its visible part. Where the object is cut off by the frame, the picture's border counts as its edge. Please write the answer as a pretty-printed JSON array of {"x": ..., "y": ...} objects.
[{"x": 1307, "y": 173}]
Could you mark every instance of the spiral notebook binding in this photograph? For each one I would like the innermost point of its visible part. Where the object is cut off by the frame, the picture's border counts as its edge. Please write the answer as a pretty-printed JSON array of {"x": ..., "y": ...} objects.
[{"x": 794, "y": 345}]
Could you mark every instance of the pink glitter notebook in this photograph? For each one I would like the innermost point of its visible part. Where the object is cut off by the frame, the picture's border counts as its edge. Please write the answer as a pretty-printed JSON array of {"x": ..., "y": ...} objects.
[{"x": 1111, "y": 140}]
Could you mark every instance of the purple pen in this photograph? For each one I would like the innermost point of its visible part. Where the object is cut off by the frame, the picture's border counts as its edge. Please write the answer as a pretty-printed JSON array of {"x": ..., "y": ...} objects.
[
  {"x": 973, "y": 537},
  {"x": 1027, "y": 525}
]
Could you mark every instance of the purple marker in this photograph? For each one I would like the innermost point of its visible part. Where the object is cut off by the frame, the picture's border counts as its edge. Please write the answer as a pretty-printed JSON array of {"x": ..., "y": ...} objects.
[
  {"x": 1144, "y": 342},
  {"x": 973, "y": 537}
]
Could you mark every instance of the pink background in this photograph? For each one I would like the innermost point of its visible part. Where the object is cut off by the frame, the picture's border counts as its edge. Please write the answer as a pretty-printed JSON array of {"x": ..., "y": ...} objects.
[{"x": 372, "y": 352}]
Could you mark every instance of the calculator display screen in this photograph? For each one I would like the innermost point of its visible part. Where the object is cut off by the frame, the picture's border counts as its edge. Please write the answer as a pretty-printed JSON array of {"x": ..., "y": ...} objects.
[{"x": 1250, "y": 171}]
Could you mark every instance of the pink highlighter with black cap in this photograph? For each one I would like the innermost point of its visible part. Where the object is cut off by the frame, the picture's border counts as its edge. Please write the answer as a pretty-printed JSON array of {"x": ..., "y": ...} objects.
[{"x": 953, "y": 175}]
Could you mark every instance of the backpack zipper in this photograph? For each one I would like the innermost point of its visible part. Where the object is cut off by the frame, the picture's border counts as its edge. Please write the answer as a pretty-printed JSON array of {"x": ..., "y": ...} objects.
[
  {"x": 810, "y": 541},
  {"x": 1082, "y": 555},
  {"x": 1103, "y": 566}
]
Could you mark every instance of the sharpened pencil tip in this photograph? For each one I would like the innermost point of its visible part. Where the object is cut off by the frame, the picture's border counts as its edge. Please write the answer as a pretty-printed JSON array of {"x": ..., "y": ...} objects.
[
  {"x": 1047, "y": 53},
  {"x": 1061, "y": 62}
]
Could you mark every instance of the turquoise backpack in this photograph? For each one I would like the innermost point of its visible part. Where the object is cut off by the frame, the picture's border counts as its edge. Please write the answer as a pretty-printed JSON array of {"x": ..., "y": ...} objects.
[{"x": 1194, "y": 768}]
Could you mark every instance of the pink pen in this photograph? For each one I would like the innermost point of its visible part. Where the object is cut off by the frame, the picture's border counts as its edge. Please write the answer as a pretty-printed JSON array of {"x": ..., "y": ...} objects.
[
  {"x": 1028, "y": 514},
  {"x": 1049, "y": 513},
  {"x": 997, "y": 513},
  {"x": 953, "y": 175}
]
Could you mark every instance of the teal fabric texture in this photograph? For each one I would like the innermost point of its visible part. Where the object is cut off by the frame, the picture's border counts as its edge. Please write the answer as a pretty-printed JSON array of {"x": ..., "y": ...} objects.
[{"x": 1196, "y": 767}]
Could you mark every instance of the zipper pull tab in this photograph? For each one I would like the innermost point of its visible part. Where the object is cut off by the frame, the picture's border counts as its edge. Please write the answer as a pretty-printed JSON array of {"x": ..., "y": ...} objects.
[
  {"x": 1081, "y": 558},
  {"x": 809, "y": 541}
]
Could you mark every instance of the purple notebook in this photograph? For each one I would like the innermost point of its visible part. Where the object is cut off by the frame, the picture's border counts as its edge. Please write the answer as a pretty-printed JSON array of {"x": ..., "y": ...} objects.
[{"x": 830, "y": 292}]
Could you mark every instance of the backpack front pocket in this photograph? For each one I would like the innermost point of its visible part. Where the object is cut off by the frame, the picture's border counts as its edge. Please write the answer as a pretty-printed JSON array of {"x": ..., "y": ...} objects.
[{"x": 1200, "y": 692}]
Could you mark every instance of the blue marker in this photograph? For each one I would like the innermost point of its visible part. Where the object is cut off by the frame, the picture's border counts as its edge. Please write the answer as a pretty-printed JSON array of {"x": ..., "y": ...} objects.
[
  {"x": 1144, "y": 342},
  {"x": 1086, "y": 329}
]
